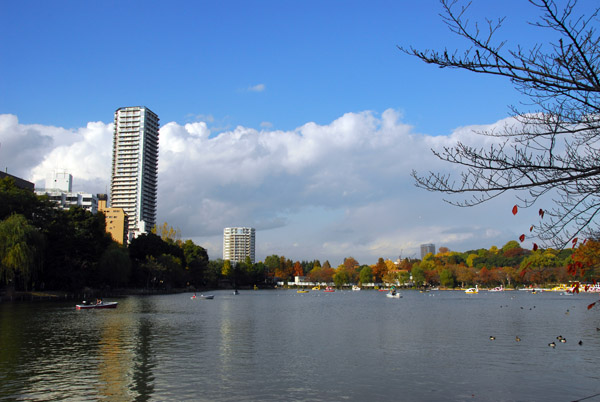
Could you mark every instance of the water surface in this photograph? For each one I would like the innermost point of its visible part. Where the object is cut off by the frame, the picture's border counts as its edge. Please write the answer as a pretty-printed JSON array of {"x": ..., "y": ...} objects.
[{"x": 283, "y": 346}]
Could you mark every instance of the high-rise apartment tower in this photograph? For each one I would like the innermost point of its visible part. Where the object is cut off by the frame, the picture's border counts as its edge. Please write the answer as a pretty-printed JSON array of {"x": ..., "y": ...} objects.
[
  {"x": 238, "y": 243},
  {"x": 134, "y": 178},
  {"x": 426, "y": 249}
]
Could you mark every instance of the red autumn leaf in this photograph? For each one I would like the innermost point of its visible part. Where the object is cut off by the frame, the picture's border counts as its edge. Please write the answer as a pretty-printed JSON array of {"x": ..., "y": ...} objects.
[
  {"x": 591, "y": 305},
  {"x": 541, "y": 213},
  {"x": 535, "y": 247},
  {"x": 522, "y": 238},
  {"x": 531, "y": 228},
  {"x": 576, "y": 287},
  {"x": 515, "y": 210},
  {"x": 585, "y": 241},
  {"x": 574, "y": 241}
]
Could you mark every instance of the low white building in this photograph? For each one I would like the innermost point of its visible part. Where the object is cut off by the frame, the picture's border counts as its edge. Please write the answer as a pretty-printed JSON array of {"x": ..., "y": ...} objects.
[{"x": 65, "y": 200}]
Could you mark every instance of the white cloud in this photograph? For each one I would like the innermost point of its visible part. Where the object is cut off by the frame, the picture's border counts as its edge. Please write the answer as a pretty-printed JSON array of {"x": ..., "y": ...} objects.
[
  {"x": 257, "y": 88},
  {"x": 319, "y": 191}
]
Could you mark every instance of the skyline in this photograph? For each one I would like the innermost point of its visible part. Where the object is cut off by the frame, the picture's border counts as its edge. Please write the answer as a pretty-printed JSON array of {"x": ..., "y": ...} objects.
[{"x": 302, "y": 120}]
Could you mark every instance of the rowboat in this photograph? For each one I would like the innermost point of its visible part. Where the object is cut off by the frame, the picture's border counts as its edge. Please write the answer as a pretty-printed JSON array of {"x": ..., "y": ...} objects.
[
  {"x": 329, "y": 289},
  {"x": 394, "y": 295},
  {"x": 302, "y": 291},
  {"x": 97, "y": 305},
  {"x": 207, "y": 297}
]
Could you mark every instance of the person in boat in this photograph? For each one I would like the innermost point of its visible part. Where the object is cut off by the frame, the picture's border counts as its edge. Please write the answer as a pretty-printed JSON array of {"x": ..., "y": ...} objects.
[{"x": 98, "y": 301}]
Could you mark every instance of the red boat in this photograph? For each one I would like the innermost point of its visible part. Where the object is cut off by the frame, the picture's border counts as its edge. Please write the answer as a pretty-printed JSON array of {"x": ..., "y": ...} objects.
[{"x": 97, "y": 305}]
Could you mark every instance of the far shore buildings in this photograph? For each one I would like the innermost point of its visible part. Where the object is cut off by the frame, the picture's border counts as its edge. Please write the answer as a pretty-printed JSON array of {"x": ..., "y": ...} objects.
[
  {"x": 59, "y": 189},
  {"x": 426, "y": 249},
  {"x": 239, "y": 243},
  {"x": 134, "y": 176}
]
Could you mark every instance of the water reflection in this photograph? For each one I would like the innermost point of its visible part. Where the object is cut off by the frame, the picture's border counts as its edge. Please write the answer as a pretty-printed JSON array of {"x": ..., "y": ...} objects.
[{"x": 142, "y": 385}]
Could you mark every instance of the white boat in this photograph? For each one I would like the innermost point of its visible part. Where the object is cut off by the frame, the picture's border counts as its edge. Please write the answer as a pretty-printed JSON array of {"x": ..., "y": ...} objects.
[
  {"x": 497, "y": 289},
  {"x": 99, "y": 305},
  {"x": 207, "y": 297},
  {"x": 394, "y": 295},
  {"x": 472, "y": 290},
  {"x": 354, "y": 287}
]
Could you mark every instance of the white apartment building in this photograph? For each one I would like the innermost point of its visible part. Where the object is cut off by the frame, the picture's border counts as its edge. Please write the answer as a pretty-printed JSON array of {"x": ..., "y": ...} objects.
[
  {"x": 67, "y": 199},
  {"x": 134, "y": 177},
  {"x": 238, "y": 243},
  {"x": 59, "y": 180}
]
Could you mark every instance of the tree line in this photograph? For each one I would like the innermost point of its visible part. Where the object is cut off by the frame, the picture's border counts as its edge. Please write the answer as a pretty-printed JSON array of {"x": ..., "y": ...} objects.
[{"x": 43, "y": 247}]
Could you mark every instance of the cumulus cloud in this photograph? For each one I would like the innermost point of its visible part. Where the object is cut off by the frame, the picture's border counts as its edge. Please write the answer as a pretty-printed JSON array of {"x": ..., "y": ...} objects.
[{"x": 319, "y": 191}]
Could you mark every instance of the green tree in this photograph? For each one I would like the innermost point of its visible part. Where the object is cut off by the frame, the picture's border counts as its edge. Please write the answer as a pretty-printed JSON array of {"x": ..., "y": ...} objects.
[
  {"x": 196, "y": 258},
  {"x": 366, "y": 275},
  {"x": 15, "y": 200},
  {"x": 418, "y": 275},
  {"x": 20, "y": 250},
  {"x": 114, "y": 267},
  {"x": 340, "y": 278},
  {"x": 213, "y": 272},
  {"x": 446, "y": 278}
]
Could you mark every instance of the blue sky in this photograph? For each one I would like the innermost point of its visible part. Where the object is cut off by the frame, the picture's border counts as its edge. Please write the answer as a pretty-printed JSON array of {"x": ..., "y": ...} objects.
[{"x": 312, "y": 100}]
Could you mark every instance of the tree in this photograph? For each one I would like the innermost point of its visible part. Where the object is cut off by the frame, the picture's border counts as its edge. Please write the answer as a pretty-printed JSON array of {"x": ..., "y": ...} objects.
[
  {"x": 227, "y": 270},
  {"x": 366, "y": 275},
  {"x": 167, "y": 233},
  {"x": 213, "y": 272},
  {"x": 114, "y": 267},
  {"x": 20, "y": 250},
  {"x": 539, "y": 266},
  {"x": 446, "y": 278},
  {"x": 418, "y": 276},
  {"x": 379, "y": 270},
  {"x": 341, "y": 277},
  {"x": 551, "y": 152},
  {"x": 297, "y": 269},
  {"x": 196, "y": 258}
]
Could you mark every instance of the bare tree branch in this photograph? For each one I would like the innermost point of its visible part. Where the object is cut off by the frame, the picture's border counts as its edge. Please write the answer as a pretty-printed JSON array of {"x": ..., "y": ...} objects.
[{"x": 552, "y": 152}]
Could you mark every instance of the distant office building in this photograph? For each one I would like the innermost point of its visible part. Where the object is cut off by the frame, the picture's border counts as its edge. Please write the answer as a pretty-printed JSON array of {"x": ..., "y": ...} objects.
[
  {"x": 116, "y": 220},
  {"x": 59, "y": 180},
  {"x": 134, "y": 178},
  {"x": 66, "y": 200},
  {"x": 238, "y": 243},
  {"x": 426, "y": 249},
  {"x": 24, "y": 184}
]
